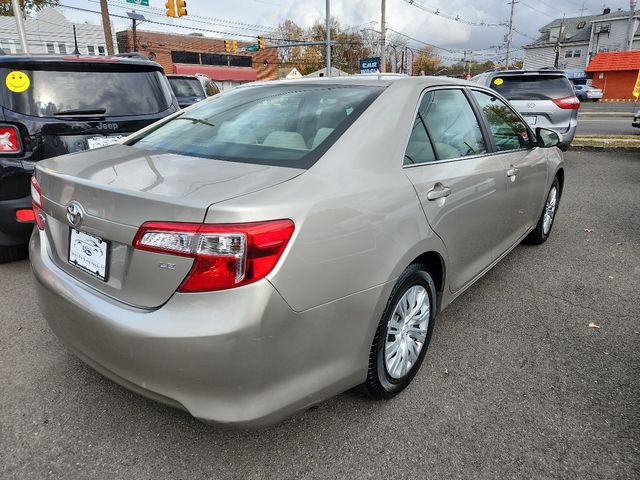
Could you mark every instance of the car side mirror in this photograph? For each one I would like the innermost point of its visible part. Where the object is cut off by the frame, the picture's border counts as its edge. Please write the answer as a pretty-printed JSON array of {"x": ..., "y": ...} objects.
[{"x": 547, "y": 138}]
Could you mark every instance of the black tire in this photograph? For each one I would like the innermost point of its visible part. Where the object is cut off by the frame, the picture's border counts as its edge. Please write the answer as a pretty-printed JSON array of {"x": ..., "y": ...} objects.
[
  {"x": 379, "y": 384},
  {"x": 12, "y": 253},
  {"x": 538, "y": 236},
  {"x": 563, "y": 147}
]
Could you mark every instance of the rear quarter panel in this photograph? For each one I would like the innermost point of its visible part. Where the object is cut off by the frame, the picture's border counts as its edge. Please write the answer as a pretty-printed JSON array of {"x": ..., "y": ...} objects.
[{"x": 358, "y": 219}]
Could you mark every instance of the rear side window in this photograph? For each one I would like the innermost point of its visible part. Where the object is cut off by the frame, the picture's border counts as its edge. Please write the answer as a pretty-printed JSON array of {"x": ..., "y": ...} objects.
[
  {"x": 186, "y": 87},
  {"x": 534, "y": 87},
  {"x": 452, "y": 125},
  {"x": 272, "y": 125},
  {"x": 115, "y": 93}
]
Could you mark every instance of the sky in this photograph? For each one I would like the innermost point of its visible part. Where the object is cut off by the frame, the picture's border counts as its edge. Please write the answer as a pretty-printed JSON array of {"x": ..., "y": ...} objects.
[{"x": 252, "y": 17}]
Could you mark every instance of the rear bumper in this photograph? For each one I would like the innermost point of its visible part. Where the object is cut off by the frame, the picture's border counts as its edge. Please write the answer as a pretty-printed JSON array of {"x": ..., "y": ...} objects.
[
  {"x": 567, "y": 136},
  {"x": 238, "y": 357}
]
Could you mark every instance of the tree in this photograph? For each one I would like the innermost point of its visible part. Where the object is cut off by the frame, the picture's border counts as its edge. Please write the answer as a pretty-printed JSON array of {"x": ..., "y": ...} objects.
[
  {"x": 28, "y": 6},
  {"x": 289, "y": 31},
  {"x": 427, "y": 61}
]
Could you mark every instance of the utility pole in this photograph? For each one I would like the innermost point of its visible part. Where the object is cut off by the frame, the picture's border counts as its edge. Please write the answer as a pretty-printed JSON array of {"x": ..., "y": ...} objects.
[
  {"x": 383, "y": 39},
  {"x": 556, "y": 63},
  {"x": 17, "y": 14},
  {"x": 328, "y": 38},
  {"x": 509, "y": 35},
  {"x": 632, "y": 24},
  {"x": 106, "y": 26}
]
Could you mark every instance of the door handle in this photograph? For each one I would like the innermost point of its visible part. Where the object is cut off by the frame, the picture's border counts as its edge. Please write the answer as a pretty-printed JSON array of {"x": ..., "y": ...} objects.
[
  {"x": 438, "y": 192},
  {"x": 512, "y": 172}
]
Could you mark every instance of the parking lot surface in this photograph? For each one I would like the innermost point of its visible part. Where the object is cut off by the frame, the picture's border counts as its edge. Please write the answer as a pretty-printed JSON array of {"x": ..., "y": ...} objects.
[{"x": 516, "y": 383}]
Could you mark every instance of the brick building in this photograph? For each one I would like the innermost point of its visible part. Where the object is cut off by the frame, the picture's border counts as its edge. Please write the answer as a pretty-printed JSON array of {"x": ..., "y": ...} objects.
[
  {"x": 615, "y": 73},
  {"x": 194, "y": 53}
]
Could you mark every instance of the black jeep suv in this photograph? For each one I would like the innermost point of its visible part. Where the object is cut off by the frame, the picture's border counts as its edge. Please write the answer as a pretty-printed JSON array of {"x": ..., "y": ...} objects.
[{"x": 52, "y": 105}]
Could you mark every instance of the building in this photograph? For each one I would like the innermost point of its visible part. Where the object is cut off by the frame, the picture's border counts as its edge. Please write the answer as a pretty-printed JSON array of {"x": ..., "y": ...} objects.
[
  {"x": 195, "y": 53},
  {"x": 288, "y": 73},
  {"x": 615, "y": 73},
  {"x": 50, "y": 32},
  {"x": 577, "y": 40},
  {"x": 335, "y": 72}
]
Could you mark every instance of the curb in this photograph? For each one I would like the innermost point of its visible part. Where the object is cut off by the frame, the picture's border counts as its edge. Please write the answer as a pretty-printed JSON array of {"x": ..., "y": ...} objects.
[{"x": 602, "y": 148}]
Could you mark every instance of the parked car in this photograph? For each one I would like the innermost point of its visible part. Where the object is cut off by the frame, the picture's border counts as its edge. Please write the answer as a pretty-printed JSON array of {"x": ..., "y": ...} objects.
[
  {"x": 544, "y": 97},
  {"x": 636, "y": 120},
  {"x": 190, "y": 89},
  {"x": 53, "y": 105},
  {"x": 278, "y": 244},
  {"x": 587, "y": 92}
]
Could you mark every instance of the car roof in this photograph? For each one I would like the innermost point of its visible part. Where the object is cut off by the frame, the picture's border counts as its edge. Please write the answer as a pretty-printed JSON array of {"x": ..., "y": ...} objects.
[
  {"x": 77, "y": 59},
  {"x": 527, "y": 72},
  {"x": 379, "y": 79}
]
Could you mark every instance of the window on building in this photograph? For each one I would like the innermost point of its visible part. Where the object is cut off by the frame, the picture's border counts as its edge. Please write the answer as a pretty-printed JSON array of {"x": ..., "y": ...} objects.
[
  {"x": 581, "y": 25},
  {"x": 568, "y": 54},
  {"x": 18, "y": 46},
  {"x": 91, "y": 49},
  {"x": 5, "y": 47},
  {"x": 100, "y": 49},
  {"x": 62, "y": 48},
  {"x": 51, "y": 47},
  {"x": 577, "y": 53}
]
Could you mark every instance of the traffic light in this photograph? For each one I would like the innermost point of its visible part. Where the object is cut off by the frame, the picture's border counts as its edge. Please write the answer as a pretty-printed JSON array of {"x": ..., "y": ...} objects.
[
  {"x": 181, "y": 9},
  {"x": 171, "y": 8},
  {"x": 260, "y": 42},
  {"x": 234, "y": 45},
  {"x": 227, "y": 46}
]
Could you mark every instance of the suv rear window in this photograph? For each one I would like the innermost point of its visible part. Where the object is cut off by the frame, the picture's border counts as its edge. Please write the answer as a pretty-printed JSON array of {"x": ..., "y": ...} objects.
[
  {"x": 272, "y": 125},
  {"x": 117, "y": 93},
  {"x": 538, "y": 87}
]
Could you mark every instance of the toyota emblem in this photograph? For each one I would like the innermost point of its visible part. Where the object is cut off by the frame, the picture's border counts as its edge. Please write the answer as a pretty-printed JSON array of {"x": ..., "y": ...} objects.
[{"x": 74, "y": 214}]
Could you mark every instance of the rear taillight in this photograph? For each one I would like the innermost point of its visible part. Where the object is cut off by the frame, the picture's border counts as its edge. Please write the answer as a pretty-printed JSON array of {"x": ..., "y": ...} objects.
[
  {"x": 9, "y": 139},
  {"x": 36, "y": 203},
  {"x": 226, "y": 255},
  {"x": 570, "y": 103}
]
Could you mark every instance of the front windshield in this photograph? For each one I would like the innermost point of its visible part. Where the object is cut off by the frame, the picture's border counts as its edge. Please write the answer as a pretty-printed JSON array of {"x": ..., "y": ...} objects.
[
  {"x": 278, "y": 125},
  {"x": 186, "y": 87}
]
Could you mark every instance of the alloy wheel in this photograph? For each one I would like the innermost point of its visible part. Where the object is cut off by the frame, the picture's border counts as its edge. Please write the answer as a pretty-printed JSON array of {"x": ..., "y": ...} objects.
[{"x": 550, "y": 210}]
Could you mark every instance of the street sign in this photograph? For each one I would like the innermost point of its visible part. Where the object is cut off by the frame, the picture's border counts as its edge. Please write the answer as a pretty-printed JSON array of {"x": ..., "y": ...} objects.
[
  {"x": 251, "y": 48},
  {"x": 370, "y": 65},
  {"x": 142, "y": 3}
]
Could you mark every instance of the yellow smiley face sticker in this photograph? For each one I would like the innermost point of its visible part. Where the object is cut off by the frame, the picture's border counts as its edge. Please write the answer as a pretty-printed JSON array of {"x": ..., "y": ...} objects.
[
  {"x": 498, "y": 81},
  {"x": 17, "y": 81}
]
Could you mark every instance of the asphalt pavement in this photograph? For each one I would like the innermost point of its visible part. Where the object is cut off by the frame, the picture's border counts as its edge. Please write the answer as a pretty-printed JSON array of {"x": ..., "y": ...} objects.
[
  {"x": 611, "y": 118},
  {"x": 516, "y": 384}
]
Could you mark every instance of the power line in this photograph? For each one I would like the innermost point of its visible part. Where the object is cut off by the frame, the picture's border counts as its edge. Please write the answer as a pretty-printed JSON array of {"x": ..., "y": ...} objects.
[{"x": 455, "y": 18}]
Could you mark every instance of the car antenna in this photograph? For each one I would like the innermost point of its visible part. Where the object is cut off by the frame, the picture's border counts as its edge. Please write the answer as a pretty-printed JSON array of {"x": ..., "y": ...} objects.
[{"x": 75, "y": 41}]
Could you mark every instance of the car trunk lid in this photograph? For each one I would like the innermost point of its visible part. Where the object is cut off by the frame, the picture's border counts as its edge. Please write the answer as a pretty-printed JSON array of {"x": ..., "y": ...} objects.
[{"x": 120, "y": 187}]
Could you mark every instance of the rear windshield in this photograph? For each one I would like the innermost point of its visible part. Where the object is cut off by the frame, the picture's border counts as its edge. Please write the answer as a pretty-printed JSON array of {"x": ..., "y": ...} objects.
[
  {"x": 111, "y": 93},
  {"x": 538, "y": 87},
  {"x": 186, "y": 87},
  {"x": 273, "y": 125}
]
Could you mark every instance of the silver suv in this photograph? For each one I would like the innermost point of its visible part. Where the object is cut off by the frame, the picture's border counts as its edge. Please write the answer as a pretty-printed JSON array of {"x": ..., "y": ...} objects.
[{"x": 544, "y": 97}]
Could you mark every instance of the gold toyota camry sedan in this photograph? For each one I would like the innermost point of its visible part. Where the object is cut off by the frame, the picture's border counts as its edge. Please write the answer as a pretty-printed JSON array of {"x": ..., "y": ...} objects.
[{"x": 278, "y": 244}]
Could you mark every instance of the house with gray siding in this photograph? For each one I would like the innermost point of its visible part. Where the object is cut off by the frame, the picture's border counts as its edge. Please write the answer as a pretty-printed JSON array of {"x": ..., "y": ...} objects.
[
  {"x": 49, "y": 31},
  {"x": 576, "y": 40}
]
